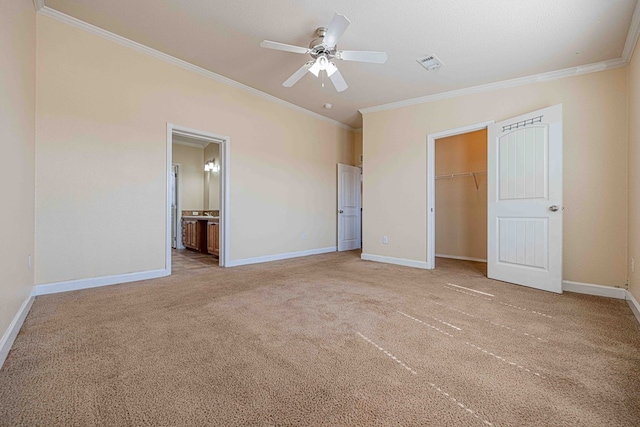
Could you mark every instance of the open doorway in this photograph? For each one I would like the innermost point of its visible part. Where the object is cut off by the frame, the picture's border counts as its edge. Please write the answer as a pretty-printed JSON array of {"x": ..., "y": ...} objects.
[
  {"x": 461, "y": 196},
  {"x": 461, "y": 172},
  {"x": 197, "y": 197}
]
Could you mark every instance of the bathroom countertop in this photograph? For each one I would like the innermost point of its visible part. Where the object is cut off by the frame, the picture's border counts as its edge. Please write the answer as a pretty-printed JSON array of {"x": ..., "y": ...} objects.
[{"x": 202, "y": 217}]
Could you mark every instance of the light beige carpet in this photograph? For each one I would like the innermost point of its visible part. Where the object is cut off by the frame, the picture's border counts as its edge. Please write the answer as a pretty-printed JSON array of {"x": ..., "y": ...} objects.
[{"x": 324, "y": 340}]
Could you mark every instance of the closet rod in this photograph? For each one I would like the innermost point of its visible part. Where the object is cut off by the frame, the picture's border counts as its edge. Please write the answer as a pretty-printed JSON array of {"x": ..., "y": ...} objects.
[{"x": 456, "y": 175}]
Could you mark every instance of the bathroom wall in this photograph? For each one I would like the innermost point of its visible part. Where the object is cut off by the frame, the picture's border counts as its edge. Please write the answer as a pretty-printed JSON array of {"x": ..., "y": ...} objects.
[{"x": 191, "y": 188}]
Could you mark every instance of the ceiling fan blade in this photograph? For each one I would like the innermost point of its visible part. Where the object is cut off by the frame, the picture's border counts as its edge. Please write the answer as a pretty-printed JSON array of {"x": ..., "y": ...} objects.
[
  {"x": 362, "y": 56},
  {"x": 336, "y": 28},
  {"x": 338, "y": 81},
  {"x": 284, "y": 47},
  {"x": 297, "y": 75}
]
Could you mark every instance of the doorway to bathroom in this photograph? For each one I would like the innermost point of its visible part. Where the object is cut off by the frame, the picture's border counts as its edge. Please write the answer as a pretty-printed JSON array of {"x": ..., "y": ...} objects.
[{"x": 197, "y": 196}]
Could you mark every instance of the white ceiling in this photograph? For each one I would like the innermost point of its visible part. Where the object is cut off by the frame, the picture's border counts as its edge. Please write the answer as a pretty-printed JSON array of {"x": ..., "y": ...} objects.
[{"x": 480, "y": 42}]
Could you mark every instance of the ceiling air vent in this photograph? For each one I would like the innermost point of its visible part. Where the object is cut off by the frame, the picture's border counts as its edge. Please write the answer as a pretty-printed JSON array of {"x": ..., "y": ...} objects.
[{"x": 430, "y": 62}]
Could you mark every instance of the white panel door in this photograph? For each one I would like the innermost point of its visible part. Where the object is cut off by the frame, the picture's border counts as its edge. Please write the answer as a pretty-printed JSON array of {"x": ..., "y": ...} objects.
[
  {"x": 525, "y": 200},
  {"x": 349, "y": 229}
]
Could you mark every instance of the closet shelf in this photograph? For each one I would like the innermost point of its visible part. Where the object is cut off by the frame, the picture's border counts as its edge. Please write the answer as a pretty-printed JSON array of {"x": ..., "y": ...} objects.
[{"x": 458, "y": 175}]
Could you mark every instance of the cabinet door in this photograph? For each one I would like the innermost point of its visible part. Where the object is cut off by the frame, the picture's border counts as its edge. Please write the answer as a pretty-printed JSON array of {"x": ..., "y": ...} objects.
[
  {"x": 189, "y": 235},
  {"x": 194, "y": 234},
  {"x": 210, "y": 237},
  {"x": 185, "y": 234},
  {"x": 216, "y": 239}
]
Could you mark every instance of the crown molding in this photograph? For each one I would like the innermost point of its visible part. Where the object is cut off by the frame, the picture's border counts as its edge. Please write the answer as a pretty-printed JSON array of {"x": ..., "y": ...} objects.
[
  {"x": 632, "y": 35},
  {"x": 537, "y": 78},
  {"x": 632, "y": 38},
  {"x": 74, "y": 22}
]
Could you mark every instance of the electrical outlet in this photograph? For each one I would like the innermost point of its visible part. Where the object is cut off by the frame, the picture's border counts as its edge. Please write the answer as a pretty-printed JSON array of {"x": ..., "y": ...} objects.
[
  {"x": 304, "y": 236},
  {"x": 385, "y": 240},
  {"x": 633, "y": 265}
]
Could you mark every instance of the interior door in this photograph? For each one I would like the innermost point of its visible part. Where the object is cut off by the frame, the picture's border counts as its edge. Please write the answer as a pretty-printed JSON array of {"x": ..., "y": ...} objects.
[
  {"x": 525, "y": 200},
  {"x": 349, "y": 232}
]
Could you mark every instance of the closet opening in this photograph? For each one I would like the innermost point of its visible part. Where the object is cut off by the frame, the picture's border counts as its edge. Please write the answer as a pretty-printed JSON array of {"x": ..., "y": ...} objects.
[{"x": 457, "y": 195}]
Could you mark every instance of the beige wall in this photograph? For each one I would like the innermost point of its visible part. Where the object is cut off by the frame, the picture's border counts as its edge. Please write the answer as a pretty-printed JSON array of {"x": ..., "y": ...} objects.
[
  {"x": 17, "y": 151},
  {"x": 595, "y": 168},
  {"x": 357, "y": 148},
  {"x": 461, "y": 208},
  {"x": 212, "y": 179},
  {"x": 102, "y": 111},
  {"x": 191, "y": 160},
  {"x": 634, "y": 172}
]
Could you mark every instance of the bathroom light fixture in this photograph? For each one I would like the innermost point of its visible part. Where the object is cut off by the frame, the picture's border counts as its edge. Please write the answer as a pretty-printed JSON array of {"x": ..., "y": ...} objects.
[{"x": 211, "y": 166}]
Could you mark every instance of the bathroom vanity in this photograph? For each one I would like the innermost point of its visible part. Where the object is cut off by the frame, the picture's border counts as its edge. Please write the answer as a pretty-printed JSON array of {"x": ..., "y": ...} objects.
[{"x": 201, "y": 233}]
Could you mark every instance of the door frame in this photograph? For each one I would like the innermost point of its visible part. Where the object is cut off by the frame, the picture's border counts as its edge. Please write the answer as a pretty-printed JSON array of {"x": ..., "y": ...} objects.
[
  {"x": 225, "y": 156},
  {"x": 431, "y": 183},
  {"x": 178, "y": 166}
]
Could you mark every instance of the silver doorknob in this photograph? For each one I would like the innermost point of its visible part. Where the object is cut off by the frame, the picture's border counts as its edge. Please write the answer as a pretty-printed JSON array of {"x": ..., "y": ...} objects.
[
  {"x": 340, "y": 211},
  {"x": 554, "y": 208}
]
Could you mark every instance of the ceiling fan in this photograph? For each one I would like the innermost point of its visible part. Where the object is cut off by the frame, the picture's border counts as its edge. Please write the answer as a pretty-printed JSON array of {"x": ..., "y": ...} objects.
[{"x": 322, "y": 50}]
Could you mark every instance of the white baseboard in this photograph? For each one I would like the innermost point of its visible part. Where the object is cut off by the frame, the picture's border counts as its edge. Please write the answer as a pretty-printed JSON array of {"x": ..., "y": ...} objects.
[
  {"x": 633, "y": 304},
  {"x": 11, "y": 333},
  {"x": 94, "y": 282},
  {"x": 278, "y": 257},
  {"x": 397, "y": 261},
  {"x": 590, "y": 289},
  {"x": 463, "y": 258}
]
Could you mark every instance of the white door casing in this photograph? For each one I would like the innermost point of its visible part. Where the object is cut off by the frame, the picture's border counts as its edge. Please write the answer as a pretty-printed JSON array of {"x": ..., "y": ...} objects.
[
  {"x": 525, "y": 200},
  {"x": 349, "y": 229}
]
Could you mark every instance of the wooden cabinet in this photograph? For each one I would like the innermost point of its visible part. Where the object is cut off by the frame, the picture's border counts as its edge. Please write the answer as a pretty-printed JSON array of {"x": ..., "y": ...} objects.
[
  {"x": 201, "y": 235},
  {"x": 194, "y": 234},
  {"x": 189, "y": 231},
  {"x": 213, "y": 238}
]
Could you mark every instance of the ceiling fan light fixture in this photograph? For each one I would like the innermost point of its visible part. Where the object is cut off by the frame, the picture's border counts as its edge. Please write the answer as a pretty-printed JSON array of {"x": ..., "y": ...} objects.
[
  {"x": 322, "y": 62},
  {"x": 322, "y": 50},
  {"x": 331, "y": 68},
  {"x": 315, "y": 69}
]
